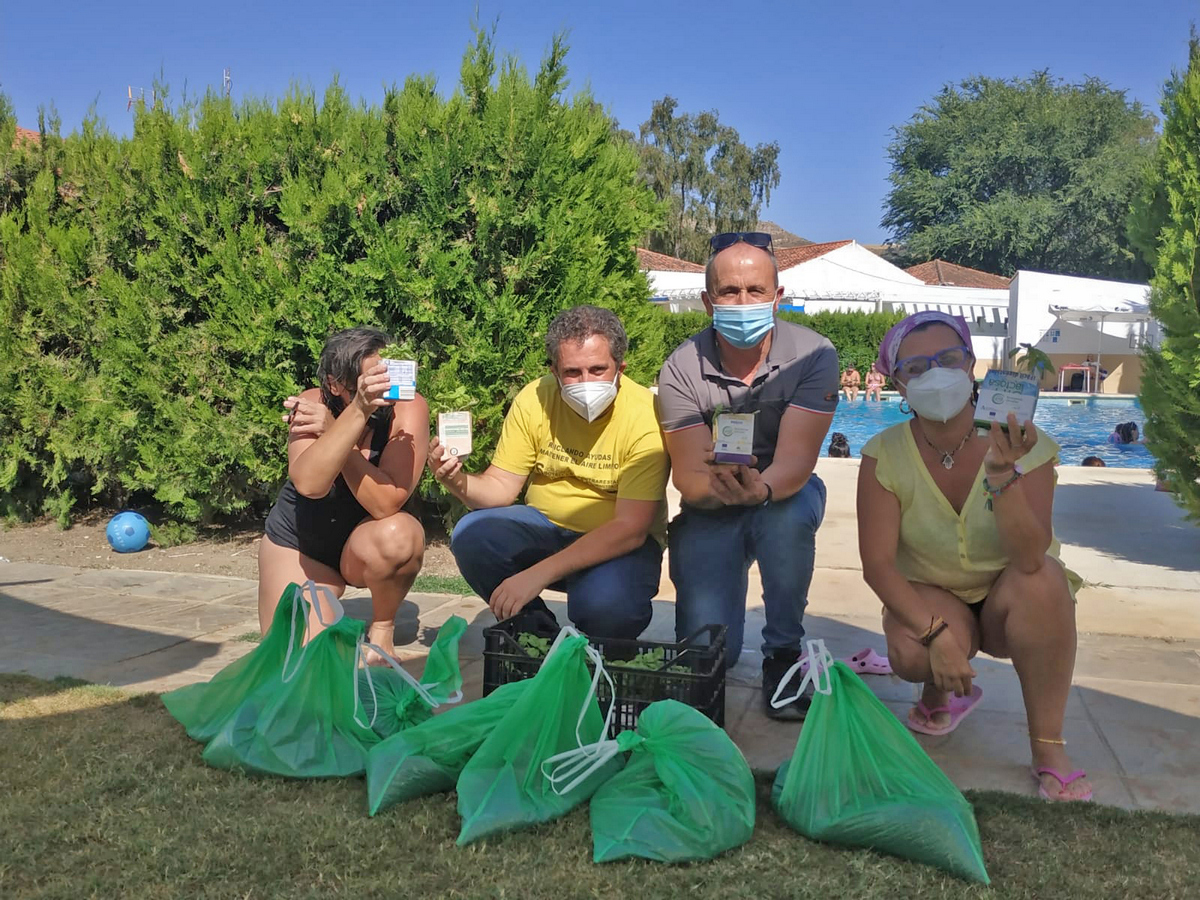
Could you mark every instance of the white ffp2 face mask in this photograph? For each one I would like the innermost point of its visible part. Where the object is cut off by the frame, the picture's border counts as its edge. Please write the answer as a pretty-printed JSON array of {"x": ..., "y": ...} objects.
[
  {"x": 590, "y": 398},
  {"x": 939, "y": 394}
]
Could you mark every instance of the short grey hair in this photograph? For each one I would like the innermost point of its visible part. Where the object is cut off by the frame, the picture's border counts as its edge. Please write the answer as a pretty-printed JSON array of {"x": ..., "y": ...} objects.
[
  {"x": 712, "y": 260},
  {"x": 579, "y": 323}
]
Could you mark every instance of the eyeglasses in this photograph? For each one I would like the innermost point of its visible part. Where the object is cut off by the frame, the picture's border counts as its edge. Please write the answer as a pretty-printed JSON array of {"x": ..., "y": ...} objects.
[
  {"x": 950, "y": 358},
  {"x": 727, "y": 239}
]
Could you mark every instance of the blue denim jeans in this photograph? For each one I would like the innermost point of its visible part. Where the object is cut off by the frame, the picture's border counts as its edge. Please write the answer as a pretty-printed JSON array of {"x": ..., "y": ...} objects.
[
  {"x": 611, "y": 599},
  {"x": 711, "y": 553}
]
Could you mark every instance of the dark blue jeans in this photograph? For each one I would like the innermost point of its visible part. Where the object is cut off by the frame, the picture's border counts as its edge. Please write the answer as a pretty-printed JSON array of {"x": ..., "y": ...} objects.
[
  {"x": 611, "y": 599},
  {"x": 711, "y": 553}
]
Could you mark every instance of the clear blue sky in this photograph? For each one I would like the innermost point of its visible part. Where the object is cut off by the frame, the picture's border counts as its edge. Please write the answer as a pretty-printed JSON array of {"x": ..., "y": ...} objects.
[{"x": 825, "y": 80}]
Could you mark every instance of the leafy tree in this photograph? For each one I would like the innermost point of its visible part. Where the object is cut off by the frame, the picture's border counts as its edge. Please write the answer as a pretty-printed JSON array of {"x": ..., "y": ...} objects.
[
  {"x": 708, "y": 179},
  {"x": 1024, "y": 173},
  {"x": 1163, "y": 227}
]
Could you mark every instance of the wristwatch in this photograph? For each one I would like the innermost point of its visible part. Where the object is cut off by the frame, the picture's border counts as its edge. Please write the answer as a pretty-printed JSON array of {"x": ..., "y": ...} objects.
[{"x": 770, "y": 494}]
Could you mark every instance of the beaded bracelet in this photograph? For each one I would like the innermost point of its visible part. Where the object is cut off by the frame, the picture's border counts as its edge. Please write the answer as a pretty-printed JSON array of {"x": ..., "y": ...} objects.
[{"x": 994, "y": 492}]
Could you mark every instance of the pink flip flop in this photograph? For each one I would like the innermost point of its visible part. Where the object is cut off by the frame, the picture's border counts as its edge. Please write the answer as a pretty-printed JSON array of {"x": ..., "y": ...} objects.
[
  {"x": 868, "y": 662},
  {"x": 958, "y": 707},
  {"x": 1063, "y": 780},
  {"x": 864, "y": 662}
]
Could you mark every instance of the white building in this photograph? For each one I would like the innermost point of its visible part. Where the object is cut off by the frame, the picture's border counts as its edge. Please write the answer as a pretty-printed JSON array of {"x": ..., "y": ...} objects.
[
  {"x": 1067, "y": 317},
  {"x": 674, "y": 283},
  {"x": 1072, "y": 319}
]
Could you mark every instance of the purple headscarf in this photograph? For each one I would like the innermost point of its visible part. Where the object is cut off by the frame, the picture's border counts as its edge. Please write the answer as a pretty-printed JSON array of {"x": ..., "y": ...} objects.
[{"x": 889, "y": 347}]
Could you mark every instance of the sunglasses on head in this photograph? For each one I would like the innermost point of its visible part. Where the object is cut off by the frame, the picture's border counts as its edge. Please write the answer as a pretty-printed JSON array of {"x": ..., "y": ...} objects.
[{"x": 727, "y": 239}]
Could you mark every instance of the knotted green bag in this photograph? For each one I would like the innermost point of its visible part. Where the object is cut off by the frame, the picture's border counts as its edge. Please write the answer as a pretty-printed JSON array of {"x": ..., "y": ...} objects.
[
  {"x": 307, "y": 721},
  {"x": 503, "y": 787},
  {"x": 859, "y": 779},
  {"x": 428, "y": 758},
  {"x": 394, "y": 700},
  {"x": 203, "y": 708},
  {"x": 686, "y": 792}
]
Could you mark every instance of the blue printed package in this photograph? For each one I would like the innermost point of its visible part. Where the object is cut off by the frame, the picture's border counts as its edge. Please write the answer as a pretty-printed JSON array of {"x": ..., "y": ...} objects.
[
  {"x": 403, "y": 376},
  {"x": 1004, "y": 392}
]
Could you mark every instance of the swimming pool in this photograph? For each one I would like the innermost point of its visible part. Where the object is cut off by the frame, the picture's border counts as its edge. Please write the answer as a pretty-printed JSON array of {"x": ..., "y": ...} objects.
[{"x": 1080, "y": 425}]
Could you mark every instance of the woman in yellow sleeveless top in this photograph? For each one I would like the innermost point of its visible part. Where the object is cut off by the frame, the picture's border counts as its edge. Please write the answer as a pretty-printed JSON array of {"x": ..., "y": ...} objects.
[{"x": 956, "y": 539}]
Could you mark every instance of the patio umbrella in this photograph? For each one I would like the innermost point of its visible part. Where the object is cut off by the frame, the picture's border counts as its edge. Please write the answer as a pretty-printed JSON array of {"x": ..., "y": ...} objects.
[{"x": 1116, "y": 312}]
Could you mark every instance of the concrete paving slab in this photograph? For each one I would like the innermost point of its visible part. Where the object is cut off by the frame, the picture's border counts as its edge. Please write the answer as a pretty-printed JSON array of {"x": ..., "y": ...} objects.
[
  {"x": 1173, "y": 662},
  {"x": 764, "y": 742},
  {"x": 1177, "y": 795},
  {"x": 1154, "y": 751},
  {"x": 1141, "y": 704},
  {"x": 990, "y": 738}
]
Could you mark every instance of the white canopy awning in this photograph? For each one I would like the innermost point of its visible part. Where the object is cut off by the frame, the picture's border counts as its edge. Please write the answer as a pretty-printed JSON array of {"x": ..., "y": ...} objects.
[
  {"x": 1117, "y": 312},
  {"x": 1102, "y": 313}
]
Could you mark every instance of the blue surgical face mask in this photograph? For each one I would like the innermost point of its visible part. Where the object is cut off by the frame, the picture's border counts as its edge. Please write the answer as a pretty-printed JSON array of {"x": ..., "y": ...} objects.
[{"x": 744, "y": 326}]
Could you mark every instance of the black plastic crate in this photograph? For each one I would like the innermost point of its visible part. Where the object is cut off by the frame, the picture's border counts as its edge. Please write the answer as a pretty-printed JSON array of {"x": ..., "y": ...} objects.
[{"x": 702, "y": 687}]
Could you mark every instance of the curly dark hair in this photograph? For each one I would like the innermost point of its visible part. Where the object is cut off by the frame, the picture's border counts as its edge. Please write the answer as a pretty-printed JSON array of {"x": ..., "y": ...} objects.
[{"x": 579, "y": 323}]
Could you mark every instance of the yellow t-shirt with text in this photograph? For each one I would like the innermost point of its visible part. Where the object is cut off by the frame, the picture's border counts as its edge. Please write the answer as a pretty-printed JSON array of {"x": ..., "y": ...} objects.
[{"x": 579, "y": 469}]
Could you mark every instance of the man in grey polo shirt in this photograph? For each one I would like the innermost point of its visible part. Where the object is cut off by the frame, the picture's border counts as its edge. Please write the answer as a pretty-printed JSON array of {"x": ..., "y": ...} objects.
[{"x": 769, "y": 511}]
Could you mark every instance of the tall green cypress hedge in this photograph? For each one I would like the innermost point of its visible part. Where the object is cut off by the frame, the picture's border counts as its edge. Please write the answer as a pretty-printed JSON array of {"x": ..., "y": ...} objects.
[
  {"x": 160, "y": 295},
  {"x": 1163, "y": 225}
]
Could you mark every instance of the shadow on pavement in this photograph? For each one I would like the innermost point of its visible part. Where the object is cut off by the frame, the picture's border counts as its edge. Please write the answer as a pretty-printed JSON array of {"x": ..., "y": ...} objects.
[
  {"x": 52, "y": 643},
  {"x": 1128, "y": 521}
]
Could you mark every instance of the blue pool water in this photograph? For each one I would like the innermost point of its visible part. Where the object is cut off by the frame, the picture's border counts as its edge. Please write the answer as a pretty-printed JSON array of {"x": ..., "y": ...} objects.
[{"x": 1081, "y": 427}]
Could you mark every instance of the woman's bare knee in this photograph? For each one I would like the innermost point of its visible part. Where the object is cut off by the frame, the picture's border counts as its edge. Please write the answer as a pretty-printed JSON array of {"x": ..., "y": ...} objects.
[
  {"x": 908, "y": 659},
  {"x": 390, "y": 545}
]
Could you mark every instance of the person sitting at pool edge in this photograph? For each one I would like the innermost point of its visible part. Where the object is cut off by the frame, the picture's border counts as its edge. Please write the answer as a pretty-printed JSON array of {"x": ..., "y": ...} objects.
[
  {"x": 956, "y": 539},
  {"x": 584, "y": 444},
  {"x": 851, "y": 381},
  {"x": 875, "y": 382},
  {"x": 731, "y": 515}
]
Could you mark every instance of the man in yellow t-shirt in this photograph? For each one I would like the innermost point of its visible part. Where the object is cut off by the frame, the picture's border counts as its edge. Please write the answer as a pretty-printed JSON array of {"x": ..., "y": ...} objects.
[{"x": 585, "y": 444}]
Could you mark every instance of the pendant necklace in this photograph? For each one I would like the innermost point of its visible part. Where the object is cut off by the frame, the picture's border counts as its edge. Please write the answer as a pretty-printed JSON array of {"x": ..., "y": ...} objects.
[{"x": 948, "y": 455}]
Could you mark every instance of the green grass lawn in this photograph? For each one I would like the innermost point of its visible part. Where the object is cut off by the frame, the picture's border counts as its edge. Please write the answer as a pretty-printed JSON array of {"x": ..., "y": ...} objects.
[
  {"x": 103, "y": 795},
  {"x": 442, "y": 584}
]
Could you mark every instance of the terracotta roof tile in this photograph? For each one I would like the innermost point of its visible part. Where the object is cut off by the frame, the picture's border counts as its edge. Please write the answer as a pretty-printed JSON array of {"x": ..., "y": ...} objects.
[
  {"x": 938, "y": 271},
  {"x": 787, "y": 257},
  {"x": 651, "y": 261},
  {"x": 25, "y": 134}
]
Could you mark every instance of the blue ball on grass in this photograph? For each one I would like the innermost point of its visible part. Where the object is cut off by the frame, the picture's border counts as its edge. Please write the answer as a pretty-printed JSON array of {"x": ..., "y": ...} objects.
[{"x": 127, "y": 532}]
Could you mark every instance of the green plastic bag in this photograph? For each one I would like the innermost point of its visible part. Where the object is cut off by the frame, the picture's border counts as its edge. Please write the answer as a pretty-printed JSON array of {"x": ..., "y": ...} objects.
[
  {"x": 686, "y": 792},
  {"x": 503, "y": 787},
  {"x": 859, "y": 779},
  {"x": 428, "y": 758},
  {"x": 203, "y": 708},
  {"x": 394, "y": 700},
  {"x": 306, "y": 722}
]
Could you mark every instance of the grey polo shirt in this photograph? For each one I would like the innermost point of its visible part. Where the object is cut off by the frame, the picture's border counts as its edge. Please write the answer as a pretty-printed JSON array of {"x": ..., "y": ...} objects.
[{"x": 801, "y": 370}]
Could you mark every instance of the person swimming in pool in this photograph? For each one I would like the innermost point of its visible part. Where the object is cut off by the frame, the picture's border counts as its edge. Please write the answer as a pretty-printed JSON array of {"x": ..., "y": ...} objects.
[{"x": 1125, "y": 433}]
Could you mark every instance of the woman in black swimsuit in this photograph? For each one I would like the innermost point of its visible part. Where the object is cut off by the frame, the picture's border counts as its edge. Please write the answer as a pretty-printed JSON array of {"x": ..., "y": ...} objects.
[{"x": 354, "y": 459}]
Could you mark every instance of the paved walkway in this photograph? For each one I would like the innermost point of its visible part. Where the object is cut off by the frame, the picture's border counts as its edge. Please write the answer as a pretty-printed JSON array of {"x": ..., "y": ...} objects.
[{"x": 1131, "y": 720}]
